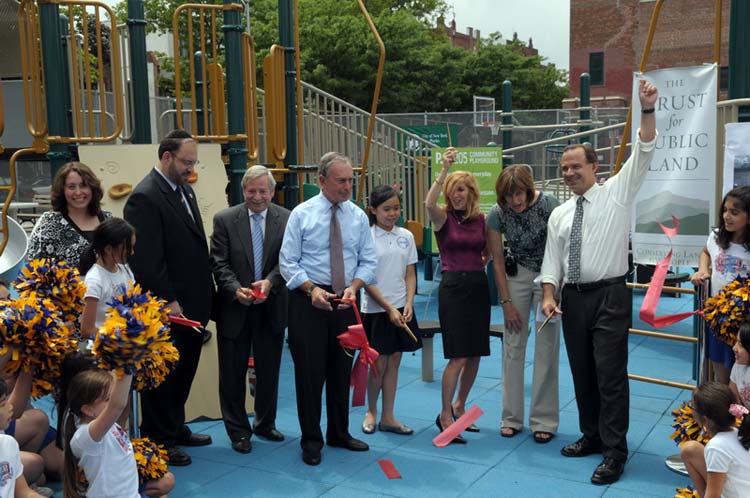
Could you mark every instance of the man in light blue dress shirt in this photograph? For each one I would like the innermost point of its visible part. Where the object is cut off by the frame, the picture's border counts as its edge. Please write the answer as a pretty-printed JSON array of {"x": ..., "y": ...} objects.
[{"x": 315, "y": 320}]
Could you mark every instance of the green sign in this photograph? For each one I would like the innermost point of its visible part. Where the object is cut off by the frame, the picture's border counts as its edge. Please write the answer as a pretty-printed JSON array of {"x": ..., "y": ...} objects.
[
  {"x": 485, "y": 163},
  {"x": 436, "y": 134}
]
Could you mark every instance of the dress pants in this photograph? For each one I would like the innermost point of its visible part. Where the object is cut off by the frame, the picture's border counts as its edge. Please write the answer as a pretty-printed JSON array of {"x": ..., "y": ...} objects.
[
  {"x": 267, "y": 346},
  {"x": 544, "y": 412},
  {"x": 318, "y": 360},
  {"x": 163, "y": 408},
  {"x": 595, "y": 327}
]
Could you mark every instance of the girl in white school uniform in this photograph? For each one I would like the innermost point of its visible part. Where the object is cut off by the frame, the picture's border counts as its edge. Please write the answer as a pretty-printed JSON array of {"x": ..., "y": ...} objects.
[
  {"x": 388, "y": 306},
  {"x": 722, "y": 468},
  {"x": 739, "y": 378}
]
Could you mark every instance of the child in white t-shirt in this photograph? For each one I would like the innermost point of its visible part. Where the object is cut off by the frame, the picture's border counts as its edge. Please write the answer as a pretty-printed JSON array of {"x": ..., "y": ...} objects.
[
  {"x": 722, "y": 468},
  {"x": 96, "y": 443},
  {"x": 12, "y": 482},
  {"x": 388, "y": 307},
  {"x": 104, "y": 262},
  {"x": 739, "y": 379}
]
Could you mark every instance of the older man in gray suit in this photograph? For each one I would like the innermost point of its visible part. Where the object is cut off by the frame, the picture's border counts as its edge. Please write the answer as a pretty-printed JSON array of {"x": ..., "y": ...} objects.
[{"x": 252, "y": 306}]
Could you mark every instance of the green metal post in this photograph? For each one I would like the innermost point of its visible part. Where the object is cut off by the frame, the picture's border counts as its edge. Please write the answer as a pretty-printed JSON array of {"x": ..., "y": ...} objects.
[
  {"x": 198, "y": 97},
  {"x": 286, "y": 37},
  {"x": 739, "y": 54},
  {"x": 138, "y": 72},
  {"x": 507, "y": 119},
  {"x": 54, "y": 79},
  {"x": 585, "y": 113},
  {"x": 64, "y": 35},
  {"x": 236, "y": 150}
]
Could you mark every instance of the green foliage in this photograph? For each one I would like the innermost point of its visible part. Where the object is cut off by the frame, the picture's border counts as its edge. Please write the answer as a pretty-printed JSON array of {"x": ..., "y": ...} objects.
[{"x": 423, "y": 72}]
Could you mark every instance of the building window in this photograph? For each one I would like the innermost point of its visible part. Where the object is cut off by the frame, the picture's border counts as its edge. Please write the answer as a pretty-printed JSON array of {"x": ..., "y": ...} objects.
[
  {"x": 596, "y": 68},
  {"x": 724, "y": 78}
]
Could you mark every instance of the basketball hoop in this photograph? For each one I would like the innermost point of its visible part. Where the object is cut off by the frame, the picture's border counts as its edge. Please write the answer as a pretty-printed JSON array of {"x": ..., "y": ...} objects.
[{"x": 494, "y": 125}]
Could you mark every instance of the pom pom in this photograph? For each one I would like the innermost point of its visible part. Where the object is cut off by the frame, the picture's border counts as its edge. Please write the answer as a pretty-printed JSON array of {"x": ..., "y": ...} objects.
[
  {"x": 688, "y": 492},
  {"x": 728, "y": 309},
  {"x": 135, "y": 338},
  {"x": 57, "y": 281},
  {"x": 34, "y": 334},
  {"x": 150, "y": 458},
  {"x": 686, "y": 427}
]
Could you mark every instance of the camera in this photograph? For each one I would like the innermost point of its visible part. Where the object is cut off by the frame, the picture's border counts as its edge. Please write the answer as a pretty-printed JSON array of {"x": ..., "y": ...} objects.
[{"x": 511, "y": 266}]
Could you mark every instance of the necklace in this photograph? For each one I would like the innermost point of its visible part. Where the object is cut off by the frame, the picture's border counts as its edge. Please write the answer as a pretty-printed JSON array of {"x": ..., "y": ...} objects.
[{"x": 459, "y": 216}]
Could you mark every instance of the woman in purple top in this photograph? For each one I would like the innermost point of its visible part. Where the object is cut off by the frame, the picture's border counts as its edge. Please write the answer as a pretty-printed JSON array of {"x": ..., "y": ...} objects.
[{"x": 463, "y": 297}]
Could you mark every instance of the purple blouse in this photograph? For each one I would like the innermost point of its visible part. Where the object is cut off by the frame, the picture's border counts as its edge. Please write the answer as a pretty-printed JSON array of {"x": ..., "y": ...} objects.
[{"x": 461, "y": 243}]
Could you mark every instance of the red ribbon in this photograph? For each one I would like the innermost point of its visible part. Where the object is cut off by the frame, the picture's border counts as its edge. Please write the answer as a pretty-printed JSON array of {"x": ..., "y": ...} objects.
[
  {"x": 651, "y": 301},
  {"x": 355, "y": 338}
]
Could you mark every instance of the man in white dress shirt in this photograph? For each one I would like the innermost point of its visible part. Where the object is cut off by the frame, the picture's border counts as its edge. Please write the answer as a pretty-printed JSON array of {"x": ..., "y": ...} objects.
[{"x": 586, "y": 256}]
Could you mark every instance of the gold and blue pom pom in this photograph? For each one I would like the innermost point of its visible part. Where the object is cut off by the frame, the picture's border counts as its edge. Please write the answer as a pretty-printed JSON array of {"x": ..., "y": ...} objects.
[
  {"x": 33, "y": 332},
  {"x": 57, "y": 281},
  {"x": 728, "y": 309},
  {"x": 688, "y": 492},
  {"x": 135, "y": 338},
  {"x": 150, "y": 458},
  {"x": 687, "y": 427}
]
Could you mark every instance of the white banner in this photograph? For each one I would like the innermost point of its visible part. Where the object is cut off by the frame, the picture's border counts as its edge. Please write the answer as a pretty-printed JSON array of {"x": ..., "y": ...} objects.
[
  {"x": 681, "y": 178},
  {"x": 736, "y": 156}
]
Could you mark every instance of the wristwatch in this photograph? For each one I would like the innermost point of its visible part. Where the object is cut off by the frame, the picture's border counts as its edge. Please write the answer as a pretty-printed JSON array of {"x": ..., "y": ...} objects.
[
  {"x": 504, "y": 301},
  {"x": 311, "y": 289}
]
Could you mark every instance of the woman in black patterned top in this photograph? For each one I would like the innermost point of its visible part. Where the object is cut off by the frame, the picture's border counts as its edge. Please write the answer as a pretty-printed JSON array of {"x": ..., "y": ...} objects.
[
  {"x": 521, "y": 215},
  {"x": 63, "y": 233}
]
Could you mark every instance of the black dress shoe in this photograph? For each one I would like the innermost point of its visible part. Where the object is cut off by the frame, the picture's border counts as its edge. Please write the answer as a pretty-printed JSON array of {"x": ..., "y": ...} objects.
[
  {"x": 242, "y": 445},
  {"x": 458, "y": 439},
  {"x": 194, "y": 439},
  {"x": 350, "y": 444},
  {"x": 311, "y": 457},
  {"x": 178, "y": 458},
  {"x": 582, "y": 447},
  {"x": 270, "y": 434},
  {"x": 206, "y": 336},
  {"x": 608, "y": 471}
]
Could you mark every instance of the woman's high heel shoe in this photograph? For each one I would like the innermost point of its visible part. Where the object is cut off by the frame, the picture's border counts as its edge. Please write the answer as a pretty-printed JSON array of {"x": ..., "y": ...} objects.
[
  {"x": 471, "y": 428},
  {"x": 458, "y": 439}
]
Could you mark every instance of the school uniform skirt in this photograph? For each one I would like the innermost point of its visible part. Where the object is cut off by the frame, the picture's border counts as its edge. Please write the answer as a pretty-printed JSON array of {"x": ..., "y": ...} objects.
[
  {"x": 386, "y": 338},
  {"x": 464, "y": 313}
]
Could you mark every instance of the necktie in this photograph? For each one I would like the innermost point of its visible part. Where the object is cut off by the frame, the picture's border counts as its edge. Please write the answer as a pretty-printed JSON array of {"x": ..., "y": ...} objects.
[
  {"x": 257, "y": 232},
  {"x": 184, "y": 202},
  {"x": 574, "y": 255},
  {"x": 337, "y": 254}
]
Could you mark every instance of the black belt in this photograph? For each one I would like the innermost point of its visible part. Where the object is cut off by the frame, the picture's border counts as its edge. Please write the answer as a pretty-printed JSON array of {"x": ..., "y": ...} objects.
[{"x": 587, "y": 286}]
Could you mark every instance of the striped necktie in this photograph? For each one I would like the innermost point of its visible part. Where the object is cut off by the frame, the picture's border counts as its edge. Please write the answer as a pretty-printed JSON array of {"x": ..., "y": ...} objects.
[{"x": 257, "y": 232}]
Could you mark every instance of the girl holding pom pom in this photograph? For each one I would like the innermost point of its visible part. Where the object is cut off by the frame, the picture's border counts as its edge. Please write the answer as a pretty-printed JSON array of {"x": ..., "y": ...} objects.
[
  {"x": 728, "y": 252},
  {"x": 104, "y": 262},
  {"x": 722, "y": 468},
  {"x": 96, "y": 443}
]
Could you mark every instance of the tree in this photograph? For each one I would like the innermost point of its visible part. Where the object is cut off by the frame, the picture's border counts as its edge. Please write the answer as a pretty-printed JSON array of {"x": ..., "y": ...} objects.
[{"x": 423, "y": 72}]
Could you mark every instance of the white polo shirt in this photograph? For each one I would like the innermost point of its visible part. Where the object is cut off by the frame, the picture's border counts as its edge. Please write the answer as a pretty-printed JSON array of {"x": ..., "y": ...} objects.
[{"x": 395, "y": 250}]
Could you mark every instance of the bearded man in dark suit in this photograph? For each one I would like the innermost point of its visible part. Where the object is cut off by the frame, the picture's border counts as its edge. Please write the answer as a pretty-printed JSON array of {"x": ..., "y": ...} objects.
[{"x": 171, "y": 261}]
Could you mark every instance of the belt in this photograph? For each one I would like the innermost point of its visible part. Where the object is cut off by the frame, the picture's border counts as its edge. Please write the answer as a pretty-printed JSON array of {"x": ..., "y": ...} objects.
[{"x": 587, "y": 286}]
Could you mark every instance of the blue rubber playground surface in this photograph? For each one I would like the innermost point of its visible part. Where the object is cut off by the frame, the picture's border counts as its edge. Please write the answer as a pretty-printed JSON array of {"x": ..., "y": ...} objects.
[{"x": 488, "y": 466}]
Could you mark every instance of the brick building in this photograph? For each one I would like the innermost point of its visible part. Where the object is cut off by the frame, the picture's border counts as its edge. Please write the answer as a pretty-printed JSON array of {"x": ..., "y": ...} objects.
[
  {"x": 468, "y": 41},
  {"x": 607, "y": 40}
]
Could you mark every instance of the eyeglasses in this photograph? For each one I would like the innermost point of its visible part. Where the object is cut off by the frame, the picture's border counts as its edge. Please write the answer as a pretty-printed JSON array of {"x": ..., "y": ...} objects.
[{"x": 189, "y": 164}]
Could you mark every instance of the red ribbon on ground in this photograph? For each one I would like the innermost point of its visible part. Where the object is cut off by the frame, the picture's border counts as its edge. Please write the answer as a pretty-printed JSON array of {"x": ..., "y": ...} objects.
[
  {"x": 355, "y": 338},
  {"x": 389, "y": 469},
  {"x": 469, "y": 417},
  {"x": 651, "y": 301}
]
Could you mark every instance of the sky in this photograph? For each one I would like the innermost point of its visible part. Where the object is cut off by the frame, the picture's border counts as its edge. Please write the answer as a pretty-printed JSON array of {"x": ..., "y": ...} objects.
[{"x": 546, "y": 21}]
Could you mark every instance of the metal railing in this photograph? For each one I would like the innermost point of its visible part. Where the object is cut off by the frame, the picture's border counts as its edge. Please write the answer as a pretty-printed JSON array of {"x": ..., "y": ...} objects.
[
  {"x": 202, "y": 125},
  {"x": 396, "y": 156}
]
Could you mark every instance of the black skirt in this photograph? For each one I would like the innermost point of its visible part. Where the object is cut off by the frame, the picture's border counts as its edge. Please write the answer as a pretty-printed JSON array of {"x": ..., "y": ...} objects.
[
  {"x": 464, "y": 313},
  {"x": 386, "y": 338}
]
